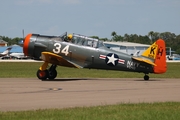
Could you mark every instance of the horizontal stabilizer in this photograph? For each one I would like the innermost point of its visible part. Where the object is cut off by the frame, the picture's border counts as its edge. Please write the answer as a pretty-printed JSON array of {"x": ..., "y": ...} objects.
[
  {"x": 57, "y": 60},
  {"x": 143, "y": 60}
]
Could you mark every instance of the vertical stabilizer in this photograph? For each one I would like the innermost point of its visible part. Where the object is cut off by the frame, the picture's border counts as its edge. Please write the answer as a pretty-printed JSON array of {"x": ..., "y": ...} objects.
[
  {"x": 157, "y": 54},
  {"x": 151, "y": 52},
  {"x": 160, "y": 59},
  {"x": 6, "y": 51}
]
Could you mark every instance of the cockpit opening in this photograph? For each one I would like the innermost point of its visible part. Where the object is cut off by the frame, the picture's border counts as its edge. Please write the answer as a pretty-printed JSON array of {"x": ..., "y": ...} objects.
[
  {"x": 85, "y": 41},
  {"x": 82, "y": 40}
]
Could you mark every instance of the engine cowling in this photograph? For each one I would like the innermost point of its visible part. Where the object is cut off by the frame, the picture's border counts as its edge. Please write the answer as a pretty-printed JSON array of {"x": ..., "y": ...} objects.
[{"x": 34, "y": 44}]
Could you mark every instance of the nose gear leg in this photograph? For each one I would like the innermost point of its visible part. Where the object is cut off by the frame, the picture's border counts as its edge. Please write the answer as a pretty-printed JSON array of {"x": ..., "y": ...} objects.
[{"x": 44, "y": 66}]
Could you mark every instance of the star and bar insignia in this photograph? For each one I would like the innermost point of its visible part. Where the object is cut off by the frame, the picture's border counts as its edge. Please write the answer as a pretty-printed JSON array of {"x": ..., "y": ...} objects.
[{"x": 112, "y": 59}]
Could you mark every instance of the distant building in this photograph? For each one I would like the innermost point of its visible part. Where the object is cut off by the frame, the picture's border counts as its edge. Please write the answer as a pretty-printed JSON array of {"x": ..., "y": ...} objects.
[
  {"x": 2, "y": 42},
  {"x": 127, "y": 47}
]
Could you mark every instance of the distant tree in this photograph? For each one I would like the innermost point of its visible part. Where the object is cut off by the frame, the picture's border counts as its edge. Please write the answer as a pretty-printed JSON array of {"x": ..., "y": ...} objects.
[
  {"x": 145, "y": 40},
  {"x": 135, "y": 38},
  {"x": 150, "y": 34},
  {"x": 113, "y": 33},
  {"x": 16, "y": 40},
  {"x": 104, "y": 39},
  {"x": 10, "y": 40},
  {"x": 156, "y": 36},
  {"x": 126, "y": 37},
  {"x": 96, "y": 37},
  {"x": 117, "y": 38}
]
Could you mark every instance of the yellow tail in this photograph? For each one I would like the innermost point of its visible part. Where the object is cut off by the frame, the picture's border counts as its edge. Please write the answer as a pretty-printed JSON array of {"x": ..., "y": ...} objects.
[{"x": 157, "y": 54}]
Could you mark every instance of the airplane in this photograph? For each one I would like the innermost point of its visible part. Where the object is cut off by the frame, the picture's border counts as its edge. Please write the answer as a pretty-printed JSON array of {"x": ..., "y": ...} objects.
[
  {"x": 6, "y": 52},
  {"x": 18, "y": 55},
  {"x": 86, "y": 52}
]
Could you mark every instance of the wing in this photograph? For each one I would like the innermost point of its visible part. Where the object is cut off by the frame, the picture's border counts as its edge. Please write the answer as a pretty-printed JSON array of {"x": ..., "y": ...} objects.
[
  {"x": 57, "y": 60},
  {"x": 144, "y": 60}
]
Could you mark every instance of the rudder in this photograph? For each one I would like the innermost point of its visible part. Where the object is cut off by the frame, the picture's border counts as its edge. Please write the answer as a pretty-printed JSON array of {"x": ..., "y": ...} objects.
[{"x": 160, "y": 59}]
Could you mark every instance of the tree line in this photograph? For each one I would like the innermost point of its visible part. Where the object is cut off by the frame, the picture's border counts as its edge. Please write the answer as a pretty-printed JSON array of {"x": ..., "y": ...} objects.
[
  {"x": 11, "y": 41},
  {"x": 171, "y": 39}
]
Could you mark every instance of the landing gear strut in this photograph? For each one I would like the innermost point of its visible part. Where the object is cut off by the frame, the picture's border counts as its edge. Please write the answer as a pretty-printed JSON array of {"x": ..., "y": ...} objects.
[
  {"x": 43, "y": 73},
  {"x": 52, "y": 72},
  {"x": 146, "y": 77}
]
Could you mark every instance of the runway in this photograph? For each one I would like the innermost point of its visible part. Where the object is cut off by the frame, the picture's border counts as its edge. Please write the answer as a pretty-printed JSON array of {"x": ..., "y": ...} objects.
[{"x": 18, "y": 94}]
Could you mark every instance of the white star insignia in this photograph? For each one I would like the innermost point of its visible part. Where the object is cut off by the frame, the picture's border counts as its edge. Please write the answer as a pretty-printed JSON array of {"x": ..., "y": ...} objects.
[{"x": 112, "y": 59}]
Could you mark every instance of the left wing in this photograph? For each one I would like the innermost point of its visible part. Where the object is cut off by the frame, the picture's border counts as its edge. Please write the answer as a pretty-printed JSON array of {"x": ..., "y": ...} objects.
[{"x": 57, "y": 60}]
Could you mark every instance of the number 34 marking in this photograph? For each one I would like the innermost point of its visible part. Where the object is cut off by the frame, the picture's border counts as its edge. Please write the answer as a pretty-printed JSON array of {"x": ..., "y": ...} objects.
[{"x": 58, "y": 50}]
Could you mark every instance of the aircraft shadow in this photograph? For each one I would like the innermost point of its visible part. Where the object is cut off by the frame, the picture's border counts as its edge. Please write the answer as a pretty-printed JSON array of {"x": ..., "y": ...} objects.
[
  {"x": 149, "y": 80},
  {"x": 80, "y": 79},
  {"x": 68, "y": 79}
]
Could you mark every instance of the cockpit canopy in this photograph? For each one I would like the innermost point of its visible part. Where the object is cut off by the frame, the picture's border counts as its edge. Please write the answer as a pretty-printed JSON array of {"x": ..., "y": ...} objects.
[{"x": 83, "y": 40}]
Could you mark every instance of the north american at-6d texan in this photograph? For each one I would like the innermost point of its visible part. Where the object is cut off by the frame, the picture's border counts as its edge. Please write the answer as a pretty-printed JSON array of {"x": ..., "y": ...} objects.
[{"x": 80, "y": 51}]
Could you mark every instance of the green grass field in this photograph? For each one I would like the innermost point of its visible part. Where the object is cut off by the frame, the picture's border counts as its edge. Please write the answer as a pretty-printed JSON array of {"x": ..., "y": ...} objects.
[
  {"x": 141, "y": 111},
  {"x": 25, "y": 70}
]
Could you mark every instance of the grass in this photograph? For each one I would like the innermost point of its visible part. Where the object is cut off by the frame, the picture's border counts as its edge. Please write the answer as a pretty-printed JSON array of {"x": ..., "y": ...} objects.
[
  {"x": 26, "y": 70},
  {"x": 141, "y": 111}
]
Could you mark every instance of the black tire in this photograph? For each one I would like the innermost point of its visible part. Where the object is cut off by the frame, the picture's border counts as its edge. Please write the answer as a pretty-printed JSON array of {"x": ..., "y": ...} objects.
[
  {"x": 146, "y": 77},
  {"x": 42, "y": 75},
  {"x": 52, "y": 74}
]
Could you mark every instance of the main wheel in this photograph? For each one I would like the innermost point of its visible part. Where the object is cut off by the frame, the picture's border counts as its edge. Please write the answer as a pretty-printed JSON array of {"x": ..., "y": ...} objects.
[
  {"x": 52, "y": 74},
  {"x": 146, "y": 77},
  {"x": 42, "y": 75}
]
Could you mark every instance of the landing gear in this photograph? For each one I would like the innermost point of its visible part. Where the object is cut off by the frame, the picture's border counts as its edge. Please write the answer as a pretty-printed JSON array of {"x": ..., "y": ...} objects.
[
  {"x": 52, "y": 72},
  {"x": 146, "y": 77},
  {"x": 43, "y": 73}
]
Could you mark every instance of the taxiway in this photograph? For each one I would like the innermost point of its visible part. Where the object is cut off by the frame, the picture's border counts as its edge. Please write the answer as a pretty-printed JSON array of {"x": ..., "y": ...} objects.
[{"x": 18, "y": 94}]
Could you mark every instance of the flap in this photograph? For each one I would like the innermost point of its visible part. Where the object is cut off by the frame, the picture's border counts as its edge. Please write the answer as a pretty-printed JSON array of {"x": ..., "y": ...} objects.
[
  {"x": 57, "y": 60},
  {"x": 144, "y": 60}
]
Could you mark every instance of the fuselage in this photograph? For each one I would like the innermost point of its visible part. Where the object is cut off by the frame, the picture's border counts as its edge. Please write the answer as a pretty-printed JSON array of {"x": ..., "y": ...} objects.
[{"x": 84, "y": 52}]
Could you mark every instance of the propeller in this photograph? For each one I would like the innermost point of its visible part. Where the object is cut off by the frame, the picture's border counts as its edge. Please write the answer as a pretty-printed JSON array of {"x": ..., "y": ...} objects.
[{"x": 21, "y": 42}]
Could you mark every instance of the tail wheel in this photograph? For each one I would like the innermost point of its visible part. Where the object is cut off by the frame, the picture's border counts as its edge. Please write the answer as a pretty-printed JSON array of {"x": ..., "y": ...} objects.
[
  {"x": 42, "y": 75},
  {"x": 146, "y": 77},
  {"x": 52, "y": 74}
]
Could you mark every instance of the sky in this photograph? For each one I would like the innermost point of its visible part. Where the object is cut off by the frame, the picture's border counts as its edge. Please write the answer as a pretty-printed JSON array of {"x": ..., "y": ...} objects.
[{"x": 88, "y": 17}]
